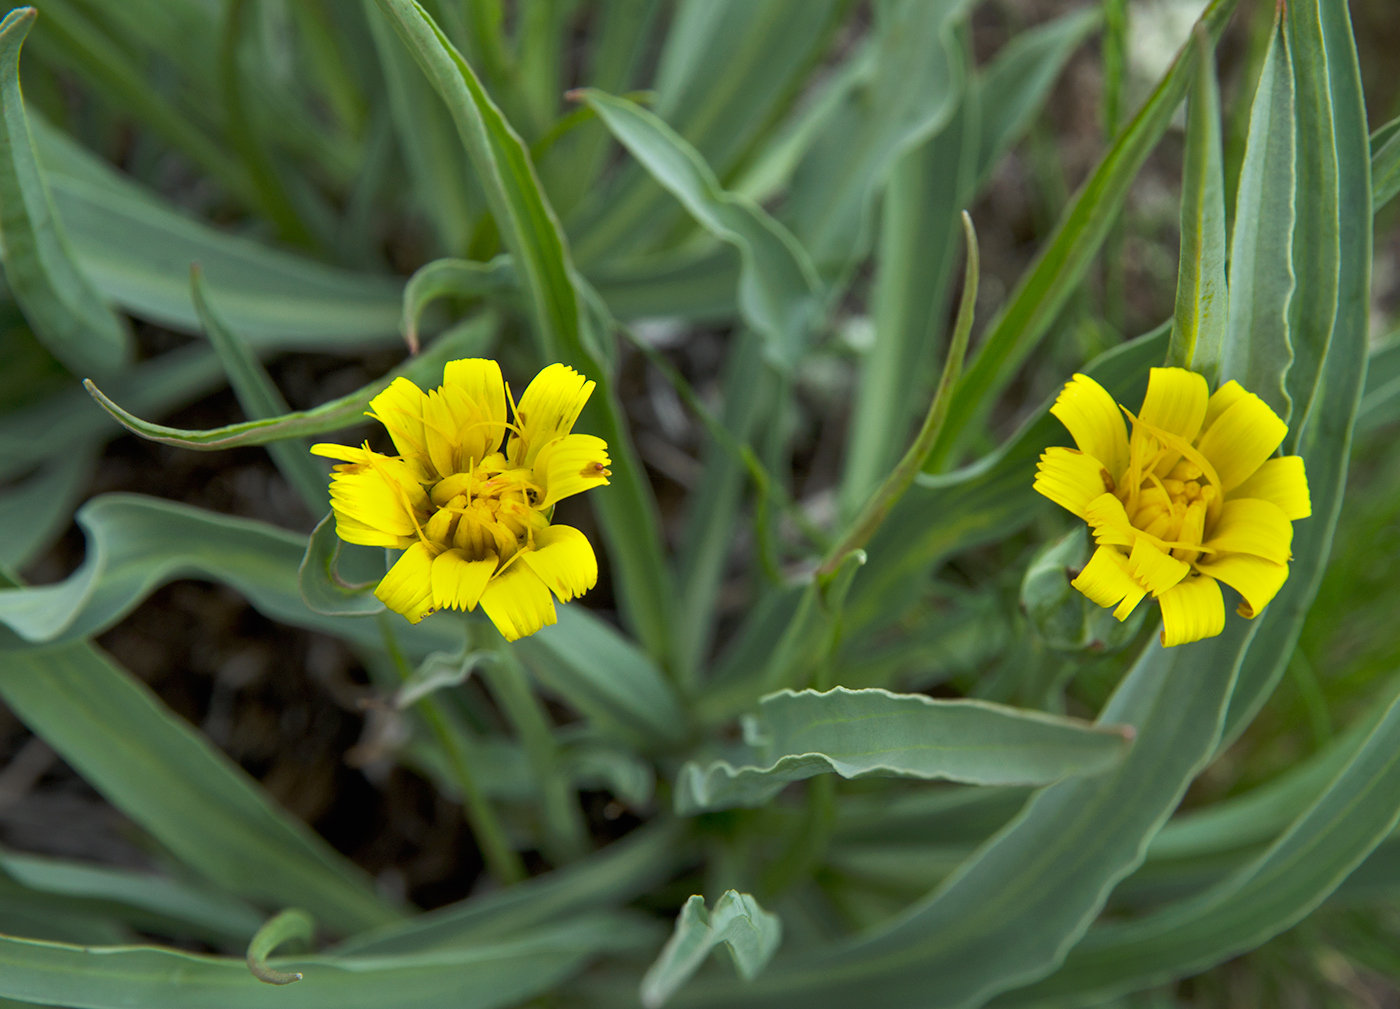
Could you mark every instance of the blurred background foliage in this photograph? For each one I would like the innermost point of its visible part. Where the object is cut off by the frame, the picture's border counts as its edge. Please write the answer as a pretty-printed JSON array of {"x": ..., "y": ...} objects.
[{"x": 295, "y": 149}]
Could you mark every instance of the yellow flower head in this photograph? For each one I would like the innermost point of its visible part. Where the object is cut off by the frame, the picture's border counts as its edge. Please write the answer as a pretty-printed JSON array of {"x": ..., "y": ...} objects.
[
  {"x": 469, "y": 497},
  {"x": 1193, "y": 496}
]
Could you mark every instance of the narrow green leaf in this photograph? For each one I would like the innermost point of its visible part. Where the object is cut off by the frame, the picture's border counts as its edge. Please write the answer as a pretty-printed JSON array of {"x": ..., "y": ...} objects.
[
  {"x": 1014, "y": 87},
  {"x": 623, "y": 870},
  {"x": 1385, "y": 173},
  {"x": 865, "y": 733},
  {"x": 328, "y": 590},
  {"x": 1202, "y": 297},
  {"x": 751, "y": 933},
  {"x": 443, "y": 189},
  {"x": 919, "y": 74},
  {"x": 423, "y": 370},
  {"x": 261, "y": 400},
  {"x": 151, "y": 902},
  {"x": 35, "y": 512},
  {"x": 451, "y": 278},
  {"x": 492, "y": 974},
  {"x": 1312, "y": 311},
  {"x": 169, "y": 779},
  {"x": 778, "y": 287},
  {"x": 58, "y": 299},
  {"x": 1257, "y": 351},
  {"x": 137, "y": 250},
  {"x": 291, "y": 925},
  {"x": 1061, "y": 264}
]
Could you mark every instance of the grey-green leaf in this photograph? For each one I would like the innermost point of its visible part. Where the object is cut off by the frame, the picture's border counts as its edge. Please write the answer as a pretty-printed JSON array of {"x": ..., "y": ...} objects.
[
  {"x": 58, "y": 299},
  {"x": 1257, "y": 351},
  {"x": 1202, "y": 297},
  {"x": 778, "y": 287},
  {"x": 751, "y": 933},
  {"x": 872, "y": 732}
]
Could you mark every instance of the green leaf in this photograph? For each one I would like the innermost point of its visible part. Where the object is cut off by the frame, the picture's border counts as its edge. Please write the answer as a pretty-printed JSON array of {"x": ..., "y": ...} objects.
[
  {"x": 1063, "y": 261},
  {"x": 751, "y": 933},
  {"x": 424, "y": 370},
  {"x": 497, "y": 973},
  {"x": 919, "y": 74},
  {"x": 1014, "y": 87},
  {"x": 150, "y": 902},
  {"x": 292, "y": 925},
  {"x": 261, "y": 400},
  {"x": 170, "y": 780},
  {"x": 60, "y": 302},
  {"x": 35, "y": 512},
  {"x": 1312, "y": 311},
  {"x": 778, "y": 287},
  {"x": 874, "y": 733},
  {"x": 761, "y": 50},
  {"x": 455, "y": 278},
  {"x": 620, "y": 872},
  {"x": 137, "y": 250},
  {"x": 1356, "y": 812},
  {"x": 442, "y": 187},
  {"x": 1385, "y": 174},
  {"x": 1202, "y": 297},
  {"x": 325, "y": 589},
  {"x": 1257, "y": 350}
]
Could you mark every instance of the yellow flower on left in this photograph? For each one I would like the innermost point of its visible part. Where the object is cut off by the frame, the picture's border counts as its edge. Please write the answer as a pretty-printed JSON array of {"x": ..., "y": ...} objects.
[
  {"x": 1194, "y": 496},
  {"x": 469, "y": 497}
]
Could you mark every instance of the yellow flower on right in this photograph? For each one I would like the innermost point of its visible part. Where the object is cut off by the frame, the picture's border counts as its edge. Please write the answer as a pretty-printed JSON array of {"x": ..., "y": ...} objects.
[{"x": 1192, "y": 497}]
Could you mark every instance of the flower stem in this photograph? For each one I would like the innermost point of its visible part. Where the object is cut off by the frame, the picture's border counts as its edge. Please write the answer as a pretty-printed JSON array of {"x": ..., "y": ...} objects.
[
  {"x": 894, "y": 486},
  {"x": 501, "y": 859},
  {"x": 566, "y": 835}
]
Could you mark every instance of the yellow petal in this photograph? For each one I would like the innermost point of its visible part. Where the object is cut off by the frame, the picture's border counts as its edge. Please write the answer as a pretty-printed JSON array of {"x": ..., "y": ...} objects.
[
  {"x": 1109, "y": 521},
  {"x": 459, "y": 581},
  {"x": 1221, "y": 400},
  {"x": 400, "y": 409},
  {"x": 570, "y": 465},
  {"x": 551, "y": 404},
  {"x": 1251, "y": 526},
  {"x": 518, "y": 603},
  {"x": 1191, "y": 610},
  {"x": 1254, "y": 578},
  {"x": 1070, "y": 478},
  {"x": 1175, "y": 401},
  {"x": 1282, "y": 482},
  {"x": 1106, "y": 581},
  {"x": 564, "y": 560},
  {"x": 346, "y": 453},
  {"x": 1089, "y": 414},
  {"x": 1241, "y": 438},
  {"x": 477, "y": 381},
  {"x": 408, "y": 587},
  {"x": 1153, "y": 569},
  {"x": 373, "y": 501}
]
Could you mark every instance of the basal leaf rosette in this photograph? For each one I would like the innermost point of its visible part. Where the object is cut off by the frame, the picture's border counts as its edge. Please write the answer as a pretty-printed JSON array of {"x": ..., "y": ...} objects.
[
  {"x": 470, "y": 495},
  {"x": 1192, "y": 498}
]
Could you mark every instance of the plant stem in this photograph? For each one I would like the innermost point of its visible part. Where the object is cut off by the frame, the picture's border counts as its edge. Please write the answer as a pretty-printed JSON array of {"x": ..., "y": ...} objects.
[
  {"x": 889, "y": 492},
  {"x": 501, "y": 859},
  {"x": 565, "y": 834}
]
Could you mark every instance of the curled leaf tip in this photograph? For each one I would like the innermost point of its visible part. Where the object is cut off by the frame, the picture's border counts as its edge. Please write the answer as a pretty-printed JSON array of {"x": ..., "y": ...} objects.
[{"x": 291, "y": 924}]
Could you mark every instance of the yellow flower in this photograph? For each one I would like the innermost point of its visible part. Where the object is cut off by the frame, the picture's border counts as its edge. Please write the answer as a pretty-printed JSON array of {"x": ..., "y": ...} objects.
[
  {"x": 1191, "y": 498},
  {"x": 469, "y": 497}
]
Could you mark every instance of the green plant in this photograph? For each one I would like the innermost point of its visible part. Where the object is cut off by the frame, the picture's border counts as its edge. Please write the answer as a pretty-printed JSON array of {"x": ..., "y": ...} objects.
[{"x": 793, "y": 165}]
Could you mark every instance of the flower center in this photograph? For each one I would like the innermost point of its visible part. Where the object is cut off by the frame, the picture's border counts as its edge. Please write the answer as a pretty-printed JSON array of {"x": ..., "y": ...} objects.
[
  {"x": 489, "y": 511},
  {"x": 1168, "y": 490}
]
